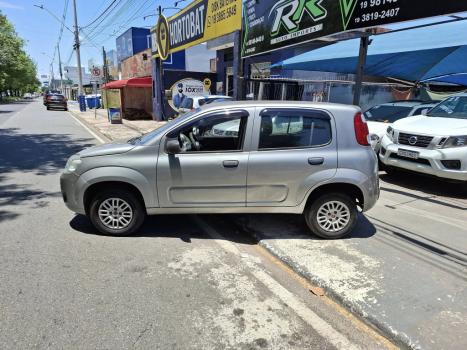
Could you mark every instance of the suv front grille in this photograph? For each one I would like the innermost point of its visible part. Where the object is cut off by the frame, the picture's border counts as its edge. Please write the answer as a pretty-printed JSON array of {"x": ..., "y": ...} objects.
[{"x": 415, "y": 140}]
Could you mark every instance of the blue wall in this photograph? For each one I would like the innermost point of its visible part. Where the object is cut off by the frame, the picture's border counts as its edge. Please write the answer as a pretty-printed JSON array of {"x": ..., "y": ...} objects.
[{"x": 131, "y": 42}]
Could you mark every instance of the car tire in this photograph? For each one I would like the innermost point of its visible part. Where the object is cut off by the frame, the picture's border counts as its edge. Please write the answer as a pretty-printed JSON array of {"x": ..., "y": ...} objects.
[
  {"x": 48, "y": 108},
  {"x": 332, "y": 216},
  {"x": 117, "y": 225}
]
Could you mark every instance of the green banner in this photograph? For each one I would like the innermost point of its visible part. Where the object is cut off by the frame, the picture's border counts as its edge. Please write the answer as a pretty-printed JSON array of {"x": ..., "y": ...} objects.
[{"x": 270, "y": 25}]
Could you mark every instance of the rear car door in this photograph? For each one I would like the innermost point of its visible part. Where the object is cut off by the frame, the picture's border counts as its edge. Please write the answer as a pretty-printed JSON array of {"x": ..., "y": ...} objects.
[
  {"x": 211, "y": 170},
  {"x": 293, "y": 149}
]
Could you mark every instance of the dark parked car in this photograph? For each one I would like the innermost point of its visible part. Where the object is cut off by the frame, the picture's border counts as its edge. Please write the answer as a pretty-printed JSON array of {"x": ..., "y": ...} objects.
[{"x": 56, "y": 101}]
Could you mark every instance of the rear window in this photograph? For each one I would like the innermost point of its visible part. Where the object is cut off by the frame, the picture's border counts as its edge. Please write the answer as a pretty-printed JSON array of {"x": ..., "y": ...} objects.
[{"x": 294, "y": 129}]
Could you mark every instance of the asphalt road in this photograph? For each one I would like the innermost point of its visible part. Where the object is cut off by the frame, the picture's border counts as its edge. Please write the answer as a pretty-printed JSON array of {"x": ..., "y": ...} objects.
[{"x": 184, "y": 282}]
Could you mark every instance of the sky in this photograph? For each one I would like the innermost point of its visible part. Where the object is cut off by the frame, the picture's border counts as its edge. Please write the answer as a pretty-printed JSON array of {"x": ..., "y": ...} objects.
[{"x": 41, "y": 30}]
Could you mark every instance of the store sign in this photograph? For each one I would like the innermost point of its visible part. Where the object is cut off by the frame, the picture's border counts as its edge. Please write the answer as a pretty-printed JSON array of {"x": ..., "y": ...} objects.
[
  {"x": 199, "y": 22},
  {"x": 270, "y": 25},
  {"x": 184, "y": 89},
  {"x": 162, "y": 38}
]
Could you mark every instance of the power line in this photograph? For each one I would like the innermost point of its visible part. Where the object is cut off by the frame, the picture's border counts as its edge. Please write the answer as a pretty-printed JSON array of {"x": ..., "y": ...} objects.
[{"x": 102, "y": 13}]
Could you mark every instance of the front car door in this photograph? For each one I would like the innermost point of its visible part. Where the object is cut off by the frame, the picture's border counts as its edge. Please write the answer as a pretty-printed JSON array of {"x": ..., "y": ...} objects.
[
  {"x": 211, "y": 169},
  {"x": 293, "y": 149}
]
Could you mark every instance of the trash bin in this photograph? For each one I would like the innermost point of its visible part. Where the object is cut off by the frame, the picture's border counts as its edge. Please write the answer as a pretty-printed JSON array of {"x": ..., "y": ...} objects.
[
  {"x": 82, "y": 103},
  {"x": 115, "y": 116},
  {"x": 93, "y": 101}
]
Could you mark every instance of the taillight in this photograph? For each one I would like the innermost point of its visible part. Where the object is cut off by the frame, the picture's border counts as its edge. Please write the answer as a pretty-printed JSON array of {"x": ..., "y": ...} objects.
[{"x": 361, "y": 129}]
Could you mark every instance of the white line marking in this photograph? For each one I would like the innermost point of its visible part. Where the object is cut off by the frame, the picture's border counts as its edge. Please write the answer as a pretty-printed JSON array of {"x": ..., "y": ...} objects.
[
  {"x": 322, "y": 327},
  {"x": 97, "y": 137}
]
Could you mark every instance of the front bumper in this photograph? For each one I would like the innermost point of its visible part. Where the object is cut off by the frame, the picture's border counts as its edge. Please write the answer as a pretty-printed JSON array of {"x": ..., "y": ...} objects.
[
  {"x": 429, "y": 161},
  {"x": 69, "y": 189}
]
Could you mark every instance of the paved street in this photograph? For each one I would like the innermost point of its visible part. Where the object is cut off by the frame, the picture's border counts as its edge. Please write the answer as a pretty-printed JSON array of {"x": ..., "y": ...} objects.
[
  {"x": 184, "y": 282},
  {"x": 207, "y": 281}
]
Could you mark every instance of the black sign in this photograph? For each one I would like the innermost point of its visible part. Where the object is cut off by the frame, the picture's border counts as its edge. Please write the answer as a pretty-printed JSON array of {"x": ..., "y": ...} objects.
[{"x": 270, "y": 25}]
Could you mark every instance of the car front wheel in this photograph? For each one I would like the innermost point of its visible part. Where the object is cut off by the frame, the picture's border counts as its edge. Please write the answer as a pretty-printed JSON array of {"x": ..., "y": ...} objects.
[
  {"x": 332, "y": 216},
  {"x": 116, "y": 212}
]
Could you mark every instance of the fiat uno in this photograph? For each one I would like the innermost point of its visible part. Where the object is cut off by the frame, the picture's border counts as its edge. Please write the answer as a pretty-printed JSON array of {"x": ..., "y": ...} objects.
[{"x": 236, "y": 157}]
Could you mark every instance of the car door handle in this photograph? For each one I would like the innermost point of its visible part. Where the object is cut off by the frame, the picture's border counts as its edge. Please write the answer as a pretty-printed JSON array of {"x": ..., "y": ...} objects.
[
  {"x": 316, "y": 161},
  {"x": 230, "y": 163}
]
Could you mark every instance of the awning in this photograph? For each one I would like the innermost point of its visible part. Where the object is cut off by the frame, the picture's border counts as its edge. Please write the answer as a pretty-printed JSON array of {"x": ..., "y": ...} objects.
[
  {"x": 459, "y": 79},
  {"x": 412, "y": 55},
  {"x": 145, "y": 82}
]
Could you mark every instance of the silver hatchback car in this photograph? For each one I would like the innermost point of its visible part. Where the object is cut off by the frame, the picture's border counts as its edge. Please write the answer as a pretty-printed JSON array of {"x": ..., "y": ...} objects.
[{"x": 237, "y": 157}]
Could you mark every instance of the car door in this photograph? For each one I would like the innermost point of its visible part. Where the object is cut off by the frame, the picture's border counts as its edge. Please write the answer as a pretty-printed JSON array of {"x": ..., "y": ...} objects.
[
  {"x": 293, "y": 149},
  {"x": 211, "y": 169}
]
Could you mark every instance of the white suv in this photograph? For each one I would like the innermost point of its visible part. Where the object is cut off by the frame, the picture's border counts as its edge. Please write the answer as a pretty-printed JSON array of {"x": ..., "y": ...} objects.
[{"x": 435, "y": 144}]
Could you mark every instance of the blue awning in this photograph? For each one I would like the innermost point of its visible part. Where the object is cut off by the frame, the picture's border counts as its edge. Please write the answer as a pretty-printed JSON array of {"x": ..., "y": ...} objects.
[
  {"x": 459, "y": 79},
  {"x": 413, "y": 55}
]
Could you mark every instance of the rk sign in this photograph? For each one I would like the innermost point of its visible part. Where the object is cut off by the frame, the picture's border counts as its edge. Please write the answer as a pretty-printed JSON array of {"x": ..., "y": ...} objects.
[
  {"x": 200, "y": 21},
  {"x": 271, "y": 25}
]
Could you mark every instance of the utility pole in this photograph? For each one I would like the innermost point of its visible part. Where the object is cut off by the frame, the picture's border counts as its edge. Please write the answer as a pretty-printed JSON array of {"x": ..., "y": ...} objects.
[
  {"x": 159, "y": 82},
  {"x": 105, "y": 68},
  {"x": 78, "y": 56},
  {"x": 364, "y": 43},
  {"x": 52, "y": 81},
  {"x": 60, "y": 69}
]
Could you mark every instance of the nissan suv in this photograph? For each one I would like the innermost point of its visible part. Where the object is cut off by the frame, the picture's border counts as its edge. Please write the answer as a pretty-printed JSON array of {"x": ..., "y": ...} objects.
[
  {"x": 282, "y": 157},
  {"x": 435, "y": 144}
]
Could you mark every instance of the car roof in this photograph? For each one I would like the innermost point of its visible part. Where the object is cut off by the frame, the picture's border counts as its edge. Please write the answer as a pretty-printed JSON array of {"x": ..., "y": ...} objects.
[
  {"x": 280, "y": 104},
  {"x": 210, "y": 96}
]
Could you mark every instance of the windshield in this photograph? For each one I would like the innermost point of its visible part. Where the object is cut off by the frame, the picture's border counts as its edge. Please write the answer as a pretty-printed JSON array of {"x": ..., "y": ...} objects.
[
  {"x": 453, "y": 107},
  {"x": 147, "y": 138},
  {"x": 387, "y": 114}
]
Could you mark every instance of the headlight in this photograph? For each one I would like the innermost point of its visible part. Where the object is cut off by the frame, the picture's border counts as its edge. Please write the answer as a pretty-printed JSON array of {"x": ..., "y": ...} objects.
[
  {"x": 72, "y": 164},
  {"x": 456, "y": 141},
  {"x": 390, "y": 133}
]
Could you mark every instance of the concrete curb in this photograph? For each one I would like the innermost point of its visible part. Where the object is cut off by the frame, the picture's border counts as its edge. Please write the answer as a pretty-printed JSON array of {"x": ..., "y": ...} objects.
[
  {"x": 399, "y": 338},
  {"x": 94, "y": 129}
]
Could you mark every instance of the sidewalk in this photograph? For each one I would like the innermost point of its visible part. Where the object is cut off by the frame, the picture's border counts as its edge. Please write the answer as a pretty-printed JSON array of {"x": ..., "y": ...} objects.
[
  {"x": 393, "y": 272},
  {"x": 97, "y": 120}
]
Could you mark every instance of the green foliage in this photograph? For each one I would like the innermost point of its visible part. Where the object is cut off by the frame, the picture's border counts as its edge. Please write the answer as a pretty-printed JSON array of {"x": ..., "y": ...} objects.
[{"x": 18, "y": 72}]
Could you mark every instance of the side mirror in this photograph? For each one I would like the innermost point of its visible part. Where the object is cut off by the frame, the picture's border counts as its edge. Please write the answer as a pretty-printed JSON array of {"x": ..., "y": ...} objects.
[{"x": 173, "y": 146}]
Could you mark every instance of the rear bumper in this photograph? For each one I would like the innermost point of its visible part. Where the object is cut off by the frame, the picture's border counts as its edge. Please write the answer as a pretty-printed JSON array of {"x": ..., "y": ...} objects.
[{"x": 56, "y": 105}]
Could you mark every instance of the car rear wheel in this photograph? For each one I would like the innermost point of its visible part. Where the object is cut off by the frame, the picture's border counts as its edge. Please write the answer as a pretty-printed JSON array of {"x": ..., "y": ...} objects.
[
  {"x": 116, "y": 212},
  {"x": 48, "y": 108},
  {"x": 332, "y": 216}
]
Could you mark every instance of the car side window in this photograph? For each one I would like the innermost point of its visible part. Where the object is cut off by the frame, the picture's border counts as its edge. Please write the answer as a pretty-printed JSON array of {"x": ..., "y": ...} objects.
[
  {"x": 294, "y": 129},
  {"x": 214, "y": 133}
]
